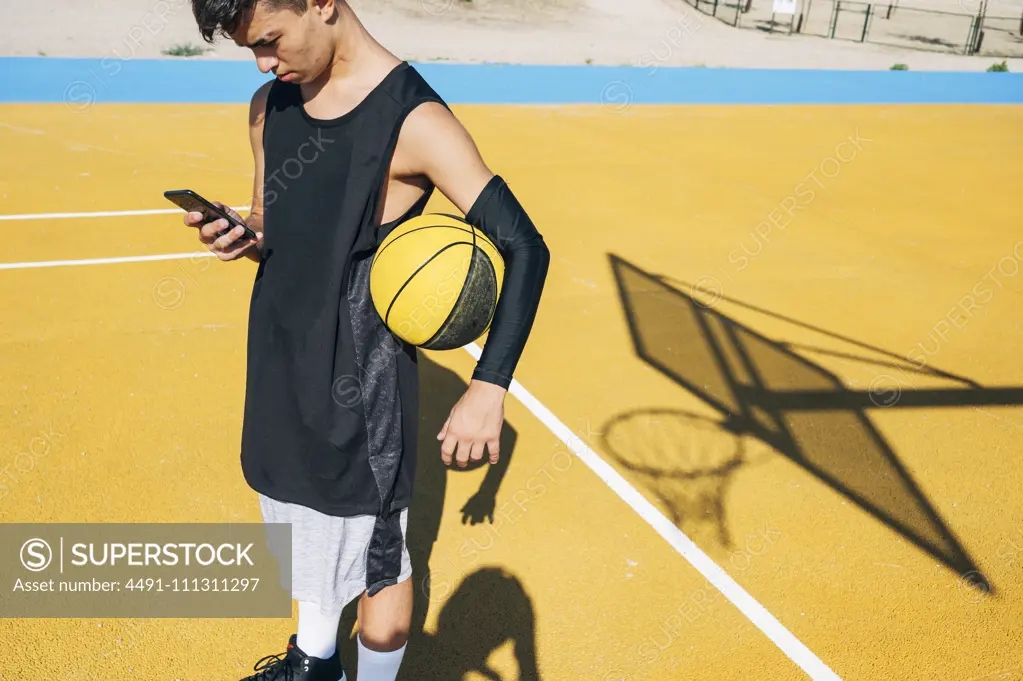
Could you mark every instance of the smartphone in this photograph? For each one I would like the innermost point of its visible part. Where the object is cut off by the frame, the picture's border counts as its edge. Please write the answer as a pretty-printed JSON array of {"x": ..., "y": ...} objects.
[{"x": 193, "y": 203}]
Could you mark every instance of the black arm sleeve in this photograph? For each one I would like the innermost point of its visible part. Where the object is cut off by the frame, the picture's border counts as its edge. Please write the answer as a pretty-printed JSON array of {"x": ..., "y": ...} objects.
[{"x": 498, "y": 214}]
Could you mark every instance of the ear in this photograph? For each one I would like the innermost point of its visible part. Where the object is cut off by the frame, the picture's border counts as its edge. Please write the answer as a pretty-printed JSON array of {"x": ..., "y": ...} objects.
[{"x": 325, "y": 7}]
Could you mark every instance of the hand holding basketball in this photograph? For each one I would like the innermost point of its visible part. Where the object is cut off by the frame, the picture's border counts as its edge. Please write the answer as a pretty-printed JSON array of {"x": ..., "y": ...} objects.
[{"x": 474, "y": 424}]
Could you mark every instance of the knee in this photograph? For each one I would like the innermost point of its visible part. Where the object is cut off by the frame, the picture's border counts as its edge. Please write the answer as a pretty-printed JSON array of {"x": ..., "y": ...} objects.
[
  {"x": 384, "y": 619},
  {"x": 382, "y": 639}
]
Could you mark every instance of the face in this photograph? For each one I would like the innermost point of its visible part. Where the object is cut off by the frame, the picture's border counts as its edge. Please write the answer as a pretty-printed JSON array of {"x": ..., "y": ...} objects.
[{"x": 296, "y": 48}]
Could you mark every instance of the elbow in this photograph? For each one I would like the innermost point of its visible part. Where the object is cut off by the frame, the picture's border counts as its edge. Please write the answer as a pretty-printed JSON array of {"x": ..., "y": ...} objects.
[
  {"x": 544, "y": 255},
  {"x": 530, "y": 253},
  {"x": 535, "y": 258},
  {"x": 540, "y": 254}
]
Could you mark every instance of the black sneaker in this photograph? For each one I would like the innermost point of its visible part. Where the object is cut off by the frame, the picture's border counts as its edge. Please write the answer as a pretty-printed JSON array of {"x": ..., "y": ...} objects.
[{"x": 294, "y": 665}]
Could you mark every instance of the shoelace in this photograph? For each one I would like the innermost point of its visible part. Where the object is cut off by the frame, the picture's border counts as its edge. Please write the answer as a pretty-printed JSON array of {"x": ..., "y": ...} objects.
[{"x": 274, "y": 669}]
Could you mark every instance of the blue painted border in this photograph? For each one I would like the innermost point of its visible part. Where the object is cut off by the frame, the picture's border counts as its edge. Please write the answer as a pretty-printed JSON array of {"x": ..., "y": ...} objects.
[{"x": 81, "y": 82}]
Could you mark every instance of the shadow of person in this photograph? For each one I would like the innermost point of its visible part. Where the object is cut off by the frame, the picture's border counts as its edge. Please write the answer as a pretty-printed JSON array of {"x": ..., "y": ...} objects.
[
  {"x": 762, "y": 389},
  {"x": 439, "y": 390},
  {"x": 488, "y": 608}
]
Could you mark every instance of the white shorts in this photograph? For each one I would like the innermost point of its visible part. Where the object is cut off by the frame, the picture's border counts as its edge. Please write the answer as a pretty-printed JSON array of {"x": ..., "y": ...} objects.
[{"x": 328, "y": 553}]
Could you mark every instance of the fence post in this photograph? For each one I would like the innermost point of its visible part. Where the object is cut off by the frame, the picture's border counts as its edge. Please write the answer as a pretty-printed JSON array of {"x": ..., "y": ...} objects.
[
  {"x": 971, "y": 36},
  {"x": 834, "y": 17},
  {"x": 978, "y": 37},
  {"x": 866, "y": 22}
]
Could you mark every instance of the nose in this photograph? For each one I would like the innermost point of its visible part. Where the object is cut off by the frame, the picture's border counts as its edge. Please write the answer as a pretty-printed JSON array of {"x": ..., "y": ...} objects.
[{"x": 267, "y": 63}]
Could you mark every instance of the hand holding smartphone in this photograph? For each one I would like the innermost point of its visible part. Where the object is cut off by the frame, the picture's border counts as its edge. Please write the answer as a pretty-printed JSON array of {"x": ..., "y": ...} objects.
[{"x": 192, "y": 202}]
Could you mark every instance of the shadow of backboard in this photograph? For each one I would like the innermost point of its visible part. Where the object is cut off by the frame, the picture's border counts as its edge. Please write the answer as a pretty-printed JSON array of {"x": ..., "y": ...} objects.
[{"x": 763, "y": 389}]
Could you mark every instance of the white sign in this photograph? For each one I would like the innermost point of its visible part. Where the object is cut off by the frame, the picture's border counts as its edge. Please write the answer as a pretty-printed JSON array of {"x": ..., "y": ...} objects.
[{"x": 784, "y": 6}]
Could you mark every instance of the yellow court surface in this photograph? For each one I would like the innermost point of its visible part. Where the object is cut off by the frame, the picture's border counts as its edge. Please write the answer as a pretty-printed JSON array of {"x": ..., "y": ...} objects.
[{"x": 767, "y": 425}]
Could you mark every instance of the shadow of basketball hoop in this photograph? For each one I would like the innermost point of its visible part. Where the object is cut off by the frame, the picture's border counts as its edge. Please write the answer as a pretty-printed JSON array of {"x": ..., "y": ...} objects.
[
  {"x": 687, "y": 461},
  {"x": 764, "y": 390}
]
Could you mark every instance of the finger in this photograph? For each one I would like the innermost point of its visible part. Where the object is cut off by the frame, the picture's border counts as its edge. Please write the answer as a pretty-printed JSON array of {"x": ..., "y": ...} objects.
[
  {"x": 241, "y": 245},
  {"x": 476, "y": 453},
  {"x": 495, "y": 450},
  {"x": 235, "y": 250},
  {"x": 223, "y": 243},
  {"x": 193, "y": 219},
  {"x": 210, "y": 231},
  {"x": 444, "y": 429},
  {"x": 447, "y": 449},
  {"x": 462, "y": 455},
  {"x": 230, "y": 211}
]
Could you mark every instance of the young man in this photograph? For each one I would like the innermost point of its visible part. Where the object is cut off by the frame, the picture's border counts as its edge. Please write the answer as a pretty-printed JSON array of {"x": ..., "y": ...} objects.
[{"x": 348, "y": 141}]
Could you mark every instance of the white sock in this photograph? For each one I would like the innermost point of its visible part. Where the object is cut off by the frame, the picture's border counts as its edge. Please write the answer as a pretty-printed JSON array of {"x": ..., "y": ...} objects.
[
  {"x": 374, "y": 666},
  {"x": 317, "y": 633}
]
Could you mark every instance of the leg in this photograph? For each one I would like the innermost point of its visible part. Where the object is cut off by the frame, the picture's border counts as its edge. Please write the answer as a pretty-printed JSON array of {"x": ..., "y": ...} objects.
[
  {"x": 384, "y": 619},
  {"x": 317, "y": 633},
  {"x": 384, "y": 623}
]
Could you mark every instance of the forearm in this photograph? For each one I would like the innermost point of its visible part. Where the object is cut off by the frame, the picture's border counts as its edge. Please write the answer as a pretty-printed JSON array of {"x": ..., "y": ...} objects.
[
  {"x": 526, "y": 257},
  {"x": 255, "y": 222}
]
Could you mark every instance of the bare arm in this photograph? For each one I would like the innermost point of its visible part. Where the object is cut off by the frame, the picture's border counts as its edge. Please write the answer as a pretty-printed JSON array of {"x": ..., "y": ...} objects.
[
  {"x": 257, "y": 113},
  {"x": 225, "y": 243},
  {"x": 439, "y": 147},
  {"x": 435, "y": 144}
]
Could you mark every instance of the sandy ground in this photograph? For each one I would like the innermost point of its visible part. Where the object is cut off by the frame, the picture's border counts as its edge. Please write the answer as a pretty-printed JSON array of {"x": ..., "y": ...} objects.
[{"x": 666, "y": 32}]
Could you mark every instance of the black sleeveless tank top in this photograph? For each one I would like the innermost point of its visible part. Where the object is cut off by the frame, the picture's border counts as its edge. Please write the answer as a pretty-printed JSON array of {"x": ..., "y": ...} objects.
[{"x": 331, "y": 398}]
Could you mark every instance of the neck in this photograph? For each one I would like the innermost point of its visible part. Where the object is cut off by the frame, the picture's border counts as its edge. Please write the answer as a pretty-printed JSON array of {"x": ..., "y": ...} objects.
[{"x": 355, "y": 50}]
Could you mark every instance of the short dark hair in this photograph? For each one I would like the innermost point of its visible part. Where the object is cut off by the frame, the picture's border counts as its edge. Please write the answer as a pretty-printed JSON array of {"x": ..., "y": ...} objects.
[{"x": 224, "y": 16}]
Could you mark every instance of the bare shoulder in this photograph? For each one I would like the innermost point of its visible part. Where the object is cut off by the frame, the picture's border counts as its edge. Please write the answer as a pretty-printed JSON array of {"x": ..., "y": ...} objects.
[
  {"x": 434, "y": 143},
  {"x": 432, "y": 133},
  {"x": 430, "y": 114},
  {"x": 257, "y": 106}
]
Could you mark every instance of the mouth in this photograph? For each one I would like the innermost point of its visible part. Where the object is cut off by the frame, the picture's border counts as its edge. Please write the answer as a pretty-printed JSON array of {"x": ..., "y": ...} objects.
[{"x": 286, "y": 77}]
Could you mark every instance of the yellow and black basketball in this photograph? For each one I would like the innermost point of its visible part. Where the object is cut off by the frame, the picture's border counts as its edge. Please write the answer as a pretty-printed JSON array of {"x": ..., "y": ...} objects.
[{"x": 435, "y": 281}]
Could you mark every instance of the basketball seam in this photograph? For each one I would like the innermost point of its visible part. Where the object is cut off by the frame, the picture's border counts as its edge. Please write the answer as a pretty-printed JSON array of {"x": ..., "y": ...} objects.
[
  {"x": 461, "y": 294},
  {"x": 419, "y": 269},
  {"x": 411, "y": 231}
]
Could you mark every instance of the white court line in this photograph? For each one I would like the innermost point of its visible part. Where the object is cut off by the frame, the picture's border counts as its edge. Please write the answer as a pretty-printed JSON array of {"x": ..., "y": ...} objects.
[
  {"x": 747, "y": 605},
  {"x": 715, "y": 574},
  {"x": 103, "y": 261},
  {"x": 100, "y": 214}
]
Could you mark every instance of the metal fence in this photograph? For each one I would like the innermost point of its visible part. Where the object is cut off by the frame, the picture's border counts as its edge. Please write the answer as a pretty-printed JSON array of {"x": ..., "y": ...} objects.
[
  {"x": 728, "y": 11},
  {"x": 982, "y": 27}
]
